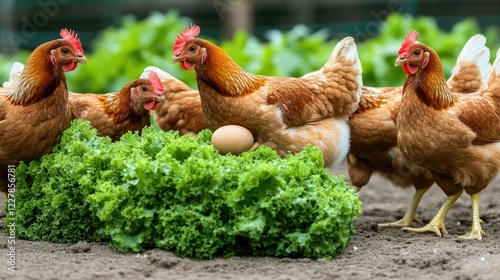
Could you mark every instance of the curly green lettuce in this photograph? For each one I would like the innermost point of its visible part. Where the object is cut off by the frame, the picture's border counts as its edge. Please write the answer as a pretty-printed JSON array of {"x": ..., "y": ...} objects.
[{"x": 161, "y": 190}]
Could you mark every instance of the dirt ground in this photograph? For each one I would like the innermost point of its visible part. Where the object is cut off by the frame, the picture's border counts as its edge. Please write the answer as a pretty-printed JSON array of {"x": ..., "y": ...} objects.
[{"x": 372, "y": 253}]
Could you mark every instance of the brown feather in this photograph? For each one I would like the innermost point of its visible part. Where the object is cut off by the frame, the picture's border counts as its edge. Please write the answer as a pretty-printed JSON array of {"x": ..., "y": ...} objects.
[
  {"x": 224, "y": 75},
  {"x": 467, "y": 80},
  {"x": 182, "y": 109},
  {"x": 295, "y": 101},
  {"x": 430, "y": 85}
]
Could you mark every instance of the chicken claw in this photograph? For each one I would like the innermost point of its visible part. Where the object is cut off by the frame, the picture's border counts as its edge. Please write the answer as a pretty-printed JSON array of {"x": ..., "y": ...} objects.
[
  {"x": 436, "y": 225},
  {"x": 409, "y": 216},
  {"x": 402, "y": 223},
  {"x": 476, "y": 234},
  {"x": 476, "y": 231}
]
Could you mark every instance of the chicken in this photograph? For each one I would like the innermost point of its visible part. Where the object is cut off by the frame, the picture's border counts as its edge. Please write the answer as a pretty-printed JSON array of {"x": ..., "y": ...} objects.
[
  {"x": 182, "y": 109},
  {"x": 114, "y": 114},
  {"x": 456, "y": 137},
  {"x": 373, "y": 129},
  {"x": 283, "y": 113},
  {"x": 36, "y": 111}
]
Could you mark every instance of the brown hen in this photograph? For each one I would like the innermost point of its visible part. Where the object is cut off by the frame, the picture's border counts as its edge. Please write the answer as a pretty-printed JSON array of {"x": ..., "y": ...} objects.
[
  {"x": 35, "y": 112},
  {"x": 283, "y": 113},
  {"x": 117, "y": 113},
  {"x": 373, "y": 129},
  {"x": 456, "y": 137}
]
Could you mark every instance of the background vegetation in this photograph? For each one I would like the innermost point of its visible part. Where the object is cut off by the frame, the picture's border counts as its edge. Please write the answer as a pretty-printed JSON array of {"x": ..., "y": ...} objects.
[{"x": 121, "y": 53}]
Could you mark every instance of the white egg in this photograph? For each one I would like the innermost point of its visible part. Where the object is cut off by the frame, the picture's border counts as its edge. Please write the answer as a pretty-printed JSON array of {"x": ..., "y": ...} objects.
[{"x": 232, "y": 139}]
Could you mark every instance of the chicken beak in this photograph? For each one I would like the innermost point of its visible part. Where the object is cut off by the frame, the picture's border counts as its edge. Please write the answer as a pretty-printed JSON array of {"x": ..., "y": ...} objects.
[
  {"x": 176, "y": 58},
  {"x": 161, "y": 98},
  {"x": 400, "y": 60},
  {"x": 81, "y": 59}
]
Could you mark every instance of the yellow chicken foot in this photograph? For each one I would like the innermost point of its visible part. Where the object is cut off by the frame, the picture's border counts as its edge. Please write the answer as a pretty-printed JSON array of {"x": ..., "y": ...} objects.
[
  {"x": 255, "y": 146},
  {"x": 436, "y": 225},
  {"x": 409, "y": 216},
  {"x": 476, "y": 231}
]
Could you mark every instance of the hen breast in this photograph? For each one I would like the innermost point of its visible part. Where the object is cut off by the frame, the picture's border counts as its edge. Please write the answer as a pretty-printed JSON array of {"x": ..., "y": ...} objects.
[
  {"x": 27, "y": 133},
  {"x": 32, "y": 131}
]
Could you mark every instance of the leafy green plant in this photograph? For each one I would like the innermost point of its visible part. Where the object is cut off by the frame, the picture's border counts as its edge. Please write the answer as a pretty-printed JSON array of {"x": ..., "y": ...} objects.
[
  {"x": 52, "y": 192},
  {"x": 180, "y": 194}
]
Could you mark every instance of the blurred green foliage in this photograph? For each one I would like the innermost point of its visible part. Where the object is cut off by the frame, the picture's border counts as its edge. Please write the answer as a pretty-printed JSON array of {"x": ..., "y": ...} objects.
[
  {"x": 121, "y": 53},
  {"x": 378, "y": 54}
]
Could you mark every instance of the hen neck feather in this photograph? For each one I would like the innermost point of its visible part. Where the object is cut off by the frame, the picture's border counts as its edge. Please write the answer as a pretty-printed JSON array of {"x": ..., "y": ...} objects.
[
  {"x": 118, "y": 105},
  {"x": 39, "y": 78},
  {"x": 430, "y": 85},
  {"x": 221, "y": 73}
]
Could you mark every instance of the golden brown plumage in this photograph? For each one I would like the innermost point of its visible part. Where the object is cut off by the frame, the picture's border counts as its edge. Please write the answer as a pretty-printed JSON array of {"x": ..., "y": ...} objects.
[
  {"x": 373, "y": 129},
  {"x": 182, "y": 109},
  {"x": 456, "y": 137},
  {"x": 283, "y": 113},
  {"x": 35, "y": 112},
  {"x": 115, "y": 114}
]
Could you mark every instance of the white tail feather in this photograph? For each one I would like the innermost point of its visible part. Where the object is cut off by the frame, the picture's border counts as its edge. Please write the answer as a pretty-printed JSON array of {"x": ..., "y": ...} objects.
[
  {"x": 474, "y": 51},
  {"x": 14, "y": 75},
  {"x": 161, "y": 73}
]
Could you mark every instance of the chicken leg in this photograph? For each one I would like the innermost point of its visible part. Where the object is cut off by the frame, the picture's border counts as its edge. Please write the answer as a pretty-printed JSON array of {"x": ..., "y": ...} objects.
[
  {"x": 254, "y": 147},
  {"x": 476, "y": 231},
  {"x": 409, "y": 216},
  {"x": 436, "y": 225}
]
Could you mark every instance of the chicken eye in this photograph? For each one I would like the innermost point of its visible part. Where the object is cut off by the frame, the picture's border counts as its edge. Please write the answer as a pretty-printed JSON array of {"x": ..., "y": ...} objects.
[
  {"x": 192, "y": 49},
  {"x": 416, "y": 53},
  {"x": 144, "y": 89},
  {"x": 64, "y": 51}
]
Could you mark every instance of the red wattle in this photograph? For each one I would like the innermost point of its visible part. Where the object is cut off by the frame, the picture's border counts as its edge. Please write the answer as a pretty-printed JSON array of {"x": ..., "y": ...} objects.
[
  {"x": 405, "y": 68},
  {"x": 69, "y": 66},
  {"x": 151, "y": 104},
  {"x": 409, "y": 69},
  {"x": 155, "y": 105},
  {"x": 187, "y": 65}
]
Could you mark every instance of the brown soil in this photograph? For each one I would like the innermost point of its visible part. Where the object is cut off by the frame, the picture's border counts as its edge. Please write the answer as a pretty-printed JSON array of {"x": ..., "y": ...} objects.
[{"x": 372, "y": 253}]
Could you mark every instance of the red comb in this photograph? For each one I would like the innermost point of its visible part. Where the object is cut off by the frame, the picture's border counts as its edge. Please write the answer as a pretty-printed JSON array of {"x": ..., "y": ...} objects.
[
  {"x": 72, "y": 37},
  {"x": 155, "y": 80},
  {"x": 188, "y": 33},
  {"x": 409, "y": 40}
]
